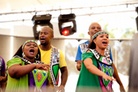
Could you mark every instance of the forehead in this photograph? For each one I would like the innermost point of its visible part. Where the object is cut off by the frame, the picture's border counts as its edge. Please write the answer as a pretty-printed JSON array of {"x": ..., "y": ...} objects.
[
  {"x": 31, "y": 42},
  {"x": 95, "y": 25},
  {"x": 46, "y": 29}
]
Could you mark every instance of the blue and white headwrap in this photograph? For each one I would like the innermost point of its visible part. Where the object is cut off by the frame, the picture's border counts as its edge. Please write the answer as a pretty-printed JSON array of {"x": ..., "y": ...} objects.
[{"x": 98, "y": 33}]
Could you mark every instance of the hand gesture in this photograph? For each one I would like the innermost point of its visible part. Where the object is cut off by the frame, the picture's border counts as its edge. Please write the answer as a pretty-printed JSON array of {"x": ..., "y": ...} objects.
[
  {"x": 60, "y": 89},
  {"x": 106, "y": 77},
  {"x": 42, "y": 66}
]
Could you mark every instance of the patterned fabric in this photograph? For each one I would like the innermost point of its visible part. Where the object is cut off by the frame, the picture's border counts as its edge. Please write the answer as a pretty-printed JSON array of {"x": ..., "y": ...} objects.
[
  {"x": 40, "y": 77},
  {"x": 55, "y": 58},
  {"x": 87, "y": 81},
  {"x": 105, "y": 65},
  {"x": 83, "y": 48},
  {"x": 98, "y": 33},
  {"x": 54, "y": 66},
  {"x": 27, "y": 42},
  {"x": 20, "y": 84},
  {"x": 26, "y": 82}
]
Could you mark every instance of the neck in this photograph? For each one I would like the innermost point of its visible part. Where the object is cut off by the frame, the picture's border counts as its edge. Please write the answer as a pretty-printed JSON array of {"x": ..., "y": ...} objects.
[
  {"x": 47, "y": 47},
  {"x": 100, "y": 51},
  {"x": 30, "y": 59},
  {"x": 90, "y": 39}
]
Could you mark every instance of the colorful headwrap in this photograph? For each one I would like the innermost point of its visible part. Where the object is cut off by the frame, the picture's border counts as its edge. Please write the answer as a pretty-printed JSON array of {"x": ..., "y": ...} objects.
[
  {"x": 98, "y": 33},
  {"x": 27, "y": 42}
]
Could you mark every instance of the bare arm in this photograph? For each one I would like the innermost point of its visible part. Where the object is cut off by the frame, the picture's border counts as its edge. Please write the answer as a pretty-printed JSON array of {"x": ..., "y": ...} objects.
[
  {"x": 78, "y": 66},
  {"x": 93, "y": 69},
  {"x": 116, "y": 76},
  {"x": 64, "y": 75},
  {"x": 17, "y": 70}
]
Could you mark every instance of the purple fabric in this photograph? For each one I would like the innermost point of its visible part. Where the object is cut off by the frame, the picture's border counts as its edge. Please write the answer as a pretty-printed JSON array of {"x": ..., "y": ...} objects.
[
  {"x": 2, "y": 66},
  {"x": 32, "y": 82}
]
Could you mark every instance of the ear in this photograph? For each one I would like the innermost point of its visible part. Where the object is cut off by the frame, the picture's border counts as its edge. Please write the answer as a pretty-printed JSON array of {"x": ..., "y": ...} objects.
[
  {"x": 94, "y": 41},
  {"x": 52, "y": 36},
  {"x": 88, "y": 32}
]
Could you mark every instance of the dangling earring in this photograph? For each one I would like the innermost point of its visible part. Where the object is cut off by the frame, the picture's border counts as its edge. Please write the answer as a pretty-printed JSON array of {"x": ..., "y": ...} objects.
[
  {"x": 37, "y": 56},
  {"x": 23, "y": 54}
]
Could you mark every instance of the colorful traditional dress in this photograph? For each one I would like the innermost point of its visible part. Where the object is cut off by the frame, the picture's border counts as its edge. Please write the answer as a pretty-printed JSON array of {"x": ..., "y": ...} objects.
[
  {"x": 55, "y": 58},
  {"x": 88, "y": 82},
  {"x": 26, "y": 82},
  {"x": 83, "y": 48}
]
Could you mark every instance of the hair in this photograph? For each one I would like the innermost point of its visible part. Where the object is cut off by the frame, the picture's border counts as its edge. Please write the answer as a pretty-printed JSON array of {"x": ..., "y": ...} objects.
[
  {"x": 20, "y": 53},
  {"x": 92, "y": 45}
]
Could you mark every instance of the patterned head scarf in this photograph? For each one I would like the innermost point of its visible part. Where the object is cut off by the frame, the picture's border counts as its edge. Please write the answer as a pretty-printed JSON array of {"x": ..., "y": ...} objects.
[
  {"x": 98, "y": 33},
  {"x": 27, "y": 42}
]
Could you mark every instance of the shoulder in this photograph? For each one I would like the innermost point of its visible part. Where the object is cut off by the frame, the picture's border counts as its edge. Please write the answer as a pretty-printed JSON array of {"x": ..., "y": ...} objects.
[
  {"x": 87, "y": 54},
  {"x": 14, "y": 60}
]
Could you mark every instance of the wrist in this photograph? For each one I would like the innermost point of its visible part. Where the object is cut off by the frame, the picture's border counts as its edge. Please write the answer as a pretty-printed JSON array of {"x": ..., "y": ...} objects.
[
  {"x": 34, "y": 66},
  {"x": 103, "y": 74},
  {"x": 62, "y": 85}
]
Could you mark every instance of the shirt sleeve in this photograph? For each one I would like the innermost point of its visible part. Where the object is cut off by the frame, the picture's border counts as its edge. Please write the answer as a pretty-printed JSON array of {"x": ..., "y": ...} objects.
[
  {"x": 62, "y": 61},
  {"x": 13, "y": 62},
  {"x": 87, "y": 55},
  {"x": 79, "y": 53}
]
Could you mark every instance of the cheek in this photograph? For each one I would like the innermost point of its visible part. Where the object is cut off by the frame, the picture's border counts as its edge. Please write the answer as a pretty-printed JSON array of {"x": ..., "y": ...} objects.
[
  {"x": 25, "y": 51},
  {"x": 36, "y": 50}
]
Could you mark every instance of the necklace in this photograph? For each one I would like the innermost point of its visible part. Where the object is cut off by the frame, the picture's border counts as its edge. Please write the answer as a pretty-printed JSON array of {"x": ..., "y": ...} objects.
[{"x": 27, "y": 61}]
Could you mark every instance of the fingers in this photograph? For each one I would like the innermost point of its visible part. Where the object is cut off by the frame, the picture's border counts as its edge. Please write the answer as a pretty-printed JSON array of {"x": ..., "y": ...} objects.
[
  {"x": 46, "y": 67},
  {"x": 106, "y": 77},
  {"x": 78, "y": 67},
  {"x": 42, "y": 66},
  {"x": 60, "y": 89}
]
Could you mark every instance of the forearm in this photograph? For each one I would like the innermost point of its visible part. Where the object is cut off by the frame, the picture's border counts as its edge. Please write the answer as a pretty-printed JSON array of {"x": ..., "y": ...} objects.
[
  {"x": 19, "y": 71},
  {"x": 64, "y": 75},
  {"x": 78, "y": 66},
  {"x": 93, "y": 69},
  {"x": 116, "y": 76}
]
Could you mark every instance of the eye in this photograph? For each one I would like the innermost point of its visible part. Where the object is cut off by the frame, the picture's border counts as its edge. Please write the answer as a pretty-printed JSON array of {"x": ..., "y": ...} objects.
[
  {"x": 28, "y": 44},
  {"x": 92, "y": 27},
  {"x": 35, "y": 45}
]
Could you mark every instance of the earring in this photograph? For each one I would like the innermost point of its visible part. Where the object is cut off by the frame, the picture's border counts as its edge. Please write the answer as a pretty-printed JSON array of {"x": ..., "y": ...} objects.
[
  {"x": 23, "y": 54},
  {"x": 37, "y": 56}
]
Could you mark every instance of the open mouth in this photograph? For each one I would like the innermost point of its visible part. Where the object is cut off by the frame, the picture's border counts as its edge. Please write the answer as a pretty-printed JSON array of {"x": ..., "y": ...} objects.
[
  {"x": 105, "y": 43},
  {"x": 31, "y": 51},
  {"x": 42, "y": 39}
]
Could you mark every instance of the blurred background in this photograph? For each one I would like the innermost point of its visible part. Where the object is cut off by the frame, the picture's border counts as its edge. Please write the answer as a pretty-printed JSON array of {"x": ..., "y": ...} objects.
[{"x": 118, "y": 17}]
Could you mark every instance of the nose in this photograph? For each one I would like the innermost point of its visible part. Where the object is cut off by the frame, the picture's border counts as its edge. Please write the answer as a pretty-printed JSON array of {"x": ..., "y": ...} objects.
[
  {"x": 96, "y": 30},
  {"x": 105, "y": 37}
]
